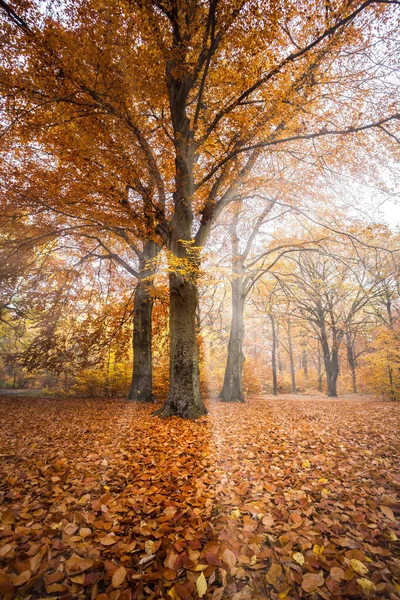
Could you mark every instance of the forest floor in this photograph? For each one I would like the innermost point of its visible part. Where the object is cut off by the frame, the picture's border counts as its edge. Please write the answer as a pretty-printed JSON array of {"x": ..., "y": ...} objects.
[{"x": 278, "y": 498}]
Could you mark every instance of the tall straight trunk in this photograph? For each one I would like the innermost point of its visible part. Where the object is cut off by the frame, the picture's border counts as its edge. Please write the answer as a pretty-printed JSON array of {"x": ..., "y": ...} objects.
[
  {"x": 351, "y": 361},
  {"x": 142, "y": 375},
  {"x": 391, "y": 327},
  {"x": 304, "y": 363},
  {"x": 320, "y": 372},
  {"x": 390, "y": 373},
  {"x": 292, "y": 369},
  {"x": 141, "y": 387},
  {"x": 278, "y": 356},
  {"x": 232, "y": 390},
  {"x": 273, "y": 357}
]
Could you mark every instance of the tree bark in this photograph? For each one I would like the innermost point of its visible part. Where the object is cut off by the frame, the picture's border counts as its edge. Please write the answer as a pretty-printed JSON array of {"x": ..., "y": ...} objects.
[
  {"x": 141, "y": 388},
  {"x": 142, "y": 376},
  {"x": 273, "y": 357},
  {"x": 292, "y": 370},
  {"x": 331, "y": 361},
  {"x": 304, "y": 363},
  {"x": 232, "y": 389},
  {"x": 351, "y": 361},
  {"x": 392, "y": 391},
  {"x": 319, "y": 368},
  {"x": 184, "y": 398}
]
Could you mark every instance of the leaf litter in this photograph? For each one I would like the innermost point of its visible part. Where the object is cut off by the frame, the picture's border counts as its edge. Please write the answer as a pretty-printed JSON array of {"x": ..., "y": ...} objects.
[{"x": 280, "y": 499}]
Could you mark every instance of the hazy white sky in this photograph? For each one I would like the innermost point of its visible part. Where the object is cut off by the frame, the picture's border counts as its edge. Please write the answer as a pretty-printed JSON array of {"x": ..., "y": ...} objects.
[{"x": 391, "y": 212}]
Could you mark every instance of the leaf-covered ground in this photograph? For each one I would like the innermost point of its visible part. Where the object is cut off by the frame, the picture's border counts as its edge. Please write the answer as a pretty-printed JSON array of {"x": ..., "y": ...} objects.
[{"x": 285, "y": 499}]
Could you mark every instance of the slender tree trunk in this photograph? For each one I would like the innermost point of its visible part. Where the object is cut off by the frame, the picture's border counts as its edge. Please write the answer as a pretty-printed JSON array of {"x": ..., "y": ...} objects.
[
  {"x": 273, "y": 357},
  {"x": 292, "y": 369},
  {"x": 320, "y": 373},
  {"x": 278, "y": 356},
  {"x": 351, "y": 361},
  {"x": 141, "y": 387},
  {"x": 392, "y": 392},
  {"x": 391, "y": 327},
  {"x": 304, "y": 363},
  {"x": 232, "y": 390}
]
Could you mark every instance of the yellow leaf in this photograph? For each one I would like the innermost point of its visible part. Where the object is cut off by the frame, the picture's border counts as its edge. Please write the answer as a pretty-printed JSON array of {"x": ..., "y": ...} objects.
[
  {"x": 358, "y": 566},
  {"x": 306, "y": 464},
  {"x": 366, "y": 584},
  {"x": 299, "y": 558},
  {"x": 173, "y": 594},
  {"x": 235, "y": 514},
  {"x": 317, "y": 550},
  {"x": 201, "y": 585},
  {"x": 323, "y": 480}
]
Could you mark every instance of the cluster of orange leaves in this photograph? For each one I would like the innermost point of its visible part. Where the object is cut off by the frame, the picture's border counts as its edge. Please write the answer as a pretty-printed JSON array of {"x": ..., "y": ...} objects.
[{"x": 280, "y": 499}]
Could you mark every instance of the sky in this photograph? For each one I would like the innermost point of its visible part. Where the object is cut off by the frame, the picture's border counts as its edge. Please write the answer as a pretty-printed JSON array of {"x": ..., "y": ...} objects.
[{"x": 391, "y": 213}]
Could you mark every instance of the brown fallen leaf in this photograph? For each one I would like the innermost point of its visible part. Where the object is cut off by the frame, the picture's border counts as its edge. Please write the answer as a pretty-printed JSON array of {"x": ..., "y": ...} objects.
[
  {"x": 118, "y": 577},
  {"x": 337, "y": 574},
  {"x": 273, "y": 574},
  {"x": 229, "y": 558},
  {"x": 311, "y": 581},
  {"x": 22, "y": 578},
  {"x": 108, "y": 540},
  {"x": 388, "y": 513},
  {"x": 77, "y": 564}
]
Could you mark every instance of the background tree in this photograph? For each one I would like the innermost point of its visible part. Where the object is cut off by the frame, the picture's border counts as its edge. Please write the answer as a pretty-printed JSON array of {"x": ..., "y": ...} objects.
[{"x": 195, "y": 108}]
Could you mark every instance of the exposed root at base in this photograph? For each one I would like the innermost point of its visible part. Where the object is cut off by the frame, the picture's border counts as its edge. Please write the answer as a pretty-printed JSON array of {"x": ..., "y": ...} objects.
[
  {"x": 234, "y": 399},
  {"x": 142, "y": 400},
  {"x": 190, "y": 413}
]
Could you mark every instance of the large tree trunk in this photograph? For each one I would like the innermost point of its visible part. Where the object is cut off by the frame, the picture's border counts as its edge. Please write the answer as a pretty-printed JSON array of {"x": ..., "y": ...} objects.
[
  {"x": 184, "y": 398},
  {"x": 292, "y": 370},
  {"x": 273, "y": 357},
  {"x": 331, "y": 361},
  {"x": 141, "y": 387},
  {"x": 232, "y": 390},
  {"x": 330, "y": 356}
]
